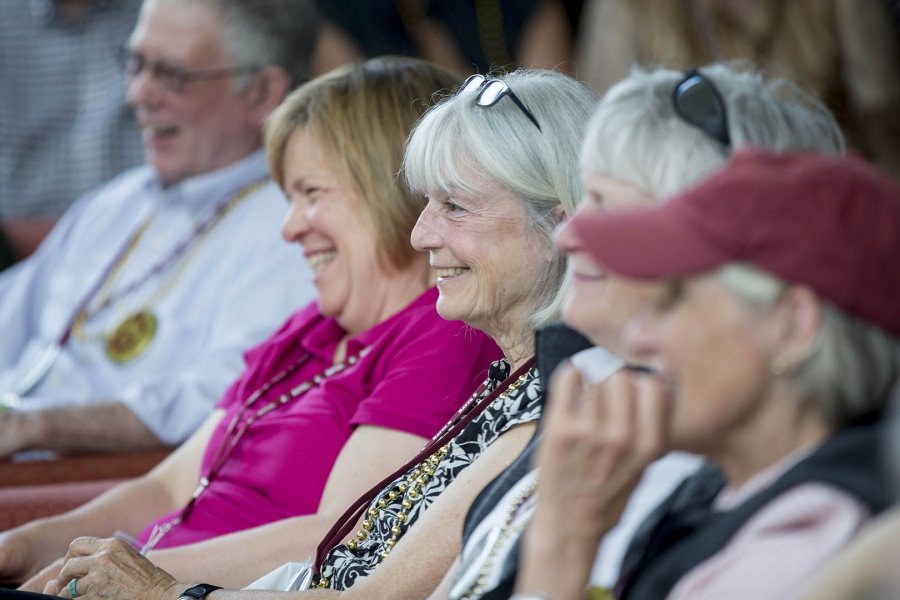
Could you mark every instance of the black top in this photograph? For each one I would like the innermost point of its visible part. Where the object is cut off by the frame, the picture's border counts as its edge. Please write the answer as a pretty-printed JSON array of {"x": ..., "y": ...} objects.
[
  {"x": 553, "y": 344},
  {"x": 684, "y": 531}
]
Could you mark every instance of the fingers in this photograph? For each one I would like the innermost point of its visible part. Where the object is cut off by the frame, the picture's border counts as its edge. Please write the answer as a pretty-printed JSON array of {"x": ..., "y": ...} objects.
[
  {"x": 565, "y": 389},
  {"x": 52, "y": 589},
  {"x": 562, "y": 412},
  {"x": 75, "y": 568},
  {"x": 653, "y": 411},
  {"x": 75, "y": 564},
  {"x": 595, "y": 430},
  {"x": 82, "y": 553},
  {"x": 618, "y": 423},
  {"x": 111, "y": 569},
  {"x": 46, "y": 575},
  {"x": 84, "y": 546}
]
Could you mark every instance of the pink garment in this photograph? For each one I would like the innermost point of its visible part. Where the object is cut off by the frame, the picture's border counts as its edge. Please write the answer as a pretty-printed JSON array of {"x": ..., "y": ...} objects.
[
  {"x": 778, "y": 549},
  {"x": 418, "y": 372}
]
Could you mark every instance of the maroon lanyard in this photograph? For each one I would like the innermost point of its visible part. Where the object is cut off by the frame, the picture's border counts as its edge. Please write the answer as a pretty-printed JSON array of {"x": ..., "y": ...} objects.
[{"x": 347, "y": 521}]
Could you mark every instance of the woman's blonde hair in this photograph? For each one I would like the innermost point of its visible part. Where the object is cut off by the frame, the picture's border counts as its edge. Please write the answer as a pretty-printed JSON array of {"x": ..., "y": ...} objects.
[{"x": 363, "y": 114}]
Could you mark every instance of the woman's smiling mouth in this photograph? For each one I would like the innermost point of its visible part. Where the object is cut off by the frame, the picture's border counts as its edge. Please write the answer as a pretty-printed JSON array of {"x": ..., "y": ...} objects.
[
  {"x": 449, "y": 272},
  {"x": 318, "y": 260}
]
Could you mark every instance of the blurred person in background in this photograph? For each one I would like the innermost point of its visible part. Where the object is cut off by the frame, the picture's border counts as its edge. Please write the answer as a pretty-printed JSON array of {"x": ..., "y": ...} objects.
[
  {"x": 771, "y": 353},
  {"x": 846, "y": 52},
  {"x": 63, "y": 119},
  {"x": 463, "y": 35}
]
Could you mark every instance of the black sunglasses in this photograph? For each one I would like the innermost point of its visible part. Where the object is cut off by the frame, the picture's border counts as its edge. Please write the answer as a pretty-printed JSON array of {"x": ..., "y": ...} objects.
[
  {"x": 699, "y": 103},
  {"x": 491, "y": 91}
]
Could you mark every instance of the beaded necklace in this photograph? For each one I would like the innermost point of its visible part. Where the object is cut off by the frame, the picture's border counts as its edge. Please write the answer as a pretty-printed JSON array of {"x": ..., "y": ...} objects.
[
  {"x": 132, "y": 336},
  {"x": 410, "y": 487},
  {"x": 101, "y": 298},
  {"x": 509, "y": 528},
  {"x": 239, "y": 426}
]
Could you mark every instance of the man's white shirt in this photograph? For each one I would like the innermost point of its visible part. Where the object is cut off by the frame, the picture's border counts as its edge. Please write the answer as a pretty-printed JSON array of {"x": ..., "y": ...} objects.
[{"x": 230, "y": 289}]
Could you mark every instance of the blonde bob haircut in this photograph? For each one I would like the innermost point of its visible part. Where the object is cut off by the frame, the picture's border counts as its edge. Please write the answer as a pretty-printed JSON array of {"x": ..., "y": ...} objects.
[{"x": 362, "y": 114}]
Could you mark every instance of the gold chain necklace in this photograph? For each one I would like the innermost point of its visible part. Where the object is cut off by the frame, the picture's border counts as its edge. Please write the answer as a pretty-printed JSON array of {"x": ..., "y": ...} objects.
[{"x": 410, "y": 489}]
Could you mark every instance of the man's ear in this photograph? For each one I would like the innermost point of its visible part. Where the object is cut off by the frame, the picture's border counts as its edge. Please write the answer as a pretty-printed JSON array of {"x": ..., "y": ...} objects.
[{"x": 267, "y": 90}]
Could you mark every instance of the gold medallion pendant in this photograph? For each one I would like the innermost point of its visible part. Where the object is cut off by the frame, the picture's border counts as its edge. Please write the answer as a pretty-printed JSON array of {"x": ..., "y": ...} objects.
[{"x": 131, "y": 337}]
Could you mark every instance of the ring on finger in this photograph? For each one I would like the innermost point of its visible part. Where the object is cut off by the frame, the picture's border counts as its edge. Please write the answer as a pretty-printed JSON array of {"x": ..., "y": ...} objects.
[{"x": 72, "y": 584}]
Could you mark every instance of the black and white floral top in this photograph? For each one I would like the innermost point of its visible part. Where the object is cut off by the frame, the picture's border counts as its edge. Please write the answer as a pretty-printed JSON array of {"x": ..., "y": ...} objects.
[{"x": 402, "y": 502}]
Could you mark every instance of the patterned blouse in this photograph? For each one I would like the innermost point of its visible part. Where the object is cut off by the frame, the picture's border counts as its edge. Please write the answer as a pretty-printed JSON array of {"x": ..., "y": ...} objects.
[{"x": 401, "y": 503}]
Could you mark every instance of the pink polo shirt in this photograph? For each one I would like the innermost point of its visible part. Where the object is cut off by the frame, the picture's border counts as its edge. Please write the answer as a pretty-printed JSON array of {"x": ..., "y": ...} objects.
[{"x": 418, "y": 372}]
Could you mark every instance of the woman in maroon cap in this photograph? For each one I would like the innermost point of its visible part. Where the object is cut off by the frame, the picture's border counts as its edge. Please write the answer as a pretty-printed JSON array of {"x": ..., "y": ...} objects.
[
  {"x": 654, "y": 134},
  {"x": 771, "y": 344}
]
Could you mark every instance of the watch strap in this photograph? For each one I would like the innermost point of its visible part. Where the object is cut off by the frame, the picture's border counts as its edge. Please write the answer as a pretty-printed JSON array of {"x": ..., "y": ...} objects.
[{"x": 198, "y": 592}]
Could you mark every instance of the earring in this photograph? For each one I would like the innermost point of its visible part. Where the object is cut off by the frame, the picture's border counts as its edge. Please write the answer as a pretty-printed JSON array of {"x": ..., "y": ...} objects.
[{"x": 780, "y": 365}]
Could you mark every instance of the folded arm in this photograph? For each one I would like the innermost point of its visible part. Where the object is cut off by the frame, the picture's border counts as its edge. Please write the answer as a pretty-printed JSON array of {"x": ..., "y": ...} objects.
[{"x": 223, "y": 560}]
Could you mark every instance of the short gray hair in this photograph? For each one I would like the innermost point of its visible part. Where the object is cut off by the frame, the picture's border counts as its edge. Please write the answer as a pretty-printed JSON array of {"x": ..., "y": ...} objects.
[
  {"x": 852, "y": 367},
  {"x": 457, "y": 145},
  {"x": 270, "y": 32},
  {"x": 637, "y": 136}
]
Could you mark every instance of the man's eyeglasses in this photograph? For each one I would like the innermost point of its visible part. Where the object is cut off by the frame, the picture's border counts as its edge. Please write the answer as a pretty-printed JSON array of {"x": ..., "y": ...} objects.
[
  {"x": 699, "y": 103},
  {"x": 171, "y": 77},
  {"x": 491, "y": 91}
]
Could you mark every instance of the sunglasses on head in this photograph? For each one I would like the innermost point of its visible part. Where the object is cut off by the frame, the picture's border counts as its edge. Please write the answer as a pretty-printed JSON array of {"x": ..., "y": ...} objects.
[
  {"x": 699, "y": 103},
  {"x": 491, "y": 91}
]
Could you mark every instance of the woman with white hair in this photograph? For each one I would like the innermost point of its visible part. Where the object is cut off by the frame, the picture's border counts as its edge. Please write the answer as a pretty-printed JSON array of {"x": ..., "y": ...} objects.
[
  {"x": 653, "y": 134},
  {"x": 772, "y": 354},
  {"x": 498, "y": 165}
]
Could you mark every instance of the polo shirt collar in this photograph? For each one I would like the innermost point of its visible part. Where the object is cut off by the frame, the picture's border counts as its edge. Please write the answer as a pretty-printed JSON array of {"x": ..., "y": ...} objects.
[{"x": 201, "y": 190}]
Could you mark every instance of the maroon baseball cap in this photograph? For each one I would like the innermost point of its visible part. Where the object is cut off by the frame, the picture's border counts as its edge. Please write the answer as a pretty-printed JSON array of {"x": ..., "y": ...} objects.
[{"x": 832, "y": 223}]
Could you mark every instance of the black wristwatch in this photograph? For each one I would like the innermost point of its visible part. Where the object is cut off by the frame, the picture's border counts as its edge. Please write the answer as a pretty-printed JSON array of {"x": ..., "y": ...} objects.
[{"x": 198, "y": 592}]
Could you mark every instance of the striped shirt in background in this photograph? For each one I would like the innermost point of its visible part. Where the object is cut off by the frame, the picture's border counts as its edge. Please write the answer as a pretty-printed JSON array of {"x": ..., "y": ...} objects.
[{"x": 64, "y": 125}]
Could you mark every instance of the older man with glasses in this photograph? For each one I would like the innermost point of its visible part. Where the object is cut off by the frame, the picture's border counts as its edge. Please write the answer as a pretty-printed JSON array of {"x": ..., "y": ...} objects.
[{"x": 124, "y": 328}]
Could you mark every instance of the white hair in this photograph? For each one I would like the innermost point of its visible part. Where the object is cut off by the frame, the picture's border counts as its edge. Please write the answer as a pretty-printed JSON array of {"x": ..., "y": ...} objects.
[
  {"x": 458, "y": 145},
  {"x": 636, "y": 136},
  {"x": 852, "y": 367},
  {"x": 259, "y": 33}
]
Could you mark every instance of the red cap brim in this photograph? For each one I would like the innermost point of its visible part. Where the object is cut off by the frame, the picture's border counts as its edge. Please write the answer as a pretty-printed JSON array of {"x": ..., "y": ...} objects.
[{"x": 658, "y": 242}]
